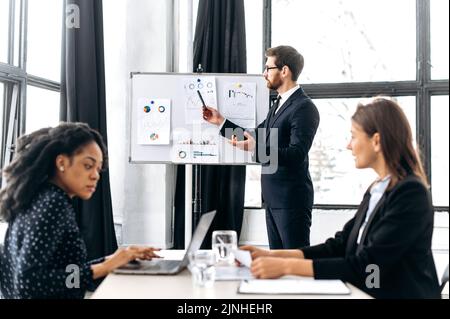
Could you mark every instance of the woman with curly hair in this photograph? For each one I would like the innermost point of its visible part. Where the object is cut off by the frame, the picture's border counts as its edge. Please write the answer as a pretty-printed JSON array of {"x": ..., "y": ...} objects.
[{"x": 44, "y": 255}]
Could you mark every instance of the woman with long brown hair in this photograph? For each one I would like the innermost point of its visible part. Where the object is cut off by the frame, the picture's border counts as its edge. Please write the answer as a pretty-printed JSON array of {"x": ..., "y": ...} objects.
[{"x": 392, "y": 229}]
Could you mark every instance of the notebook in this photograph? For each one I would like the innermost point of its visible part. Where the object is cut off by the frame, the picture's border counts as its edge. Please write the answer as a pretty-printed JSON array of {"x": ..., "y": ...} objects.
[{"x": 293, "y": 285}]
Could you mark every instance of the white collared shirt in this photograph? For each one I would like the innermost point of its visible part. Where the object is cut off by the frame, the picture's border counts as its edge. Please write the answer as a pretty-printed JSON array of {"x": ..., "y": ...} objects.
[
  {"x": 376, "y": 192},
  {"x": 285, "y": 96}
]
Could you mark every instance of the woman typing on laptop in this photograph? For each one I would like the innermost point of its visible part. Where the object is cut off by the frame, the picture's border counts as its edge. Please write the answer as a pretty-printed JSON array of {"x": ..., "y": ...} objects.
[
  {"x": 385, "y": 249},
  {"x": 44, "y": 255}
]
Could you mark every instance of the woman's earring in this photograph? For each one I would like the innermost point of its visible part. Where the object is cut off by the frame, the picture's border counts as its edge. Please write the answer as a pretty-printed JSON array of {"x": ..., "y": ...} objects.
[{"x": 61, "y": 168}]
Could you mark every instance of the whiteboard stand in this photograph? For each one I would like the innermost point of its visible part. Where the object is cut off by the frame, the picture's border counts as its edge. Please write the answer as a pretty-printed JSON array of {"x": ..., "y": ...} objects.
[
  {"x": 197, "y": 203},
  {"x": 188, "y": 206},
  {"x": 192, "y": 216},
  {"x": 197, "y": 194}
]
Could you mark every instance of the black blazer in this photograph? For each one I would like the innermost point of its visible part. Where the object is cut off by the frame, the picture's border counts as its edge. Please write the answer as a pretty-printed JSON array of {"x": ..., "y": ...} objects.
[
  {"x": 397, "y": 238},
  {"x": 290, "y": 186}
]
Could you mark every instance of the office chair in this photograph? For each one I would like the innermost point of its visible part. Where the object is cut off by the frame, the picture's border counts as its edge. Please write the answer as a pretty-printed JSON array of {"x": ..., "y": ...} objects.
[{"x": 444, "y": 279}]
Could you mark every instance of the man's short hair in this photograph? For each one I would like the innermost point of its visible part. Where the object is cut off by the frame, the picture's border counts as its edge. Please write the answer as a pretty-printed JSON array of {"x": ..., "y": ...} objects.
[{"x": 287, "y": 55}]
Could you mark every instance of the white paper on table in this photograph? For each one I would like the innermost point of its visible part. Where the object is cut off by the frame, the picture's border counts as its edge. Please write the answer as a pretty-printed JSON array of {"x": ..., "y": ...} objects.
[
  {"x": 299, "y": 285},
  {"x": 153, "y": 121},
  {"x": 244, "y": 257},
  {"x": 238, "y": 103},
  {"x": 225, "y": 273}
]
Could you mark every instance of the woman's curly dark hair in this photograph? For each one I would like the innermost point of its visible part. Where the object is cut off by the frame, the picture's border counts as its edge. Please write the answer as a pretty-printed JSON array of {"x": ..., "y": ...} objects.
[{"x": 34, "y": 162}]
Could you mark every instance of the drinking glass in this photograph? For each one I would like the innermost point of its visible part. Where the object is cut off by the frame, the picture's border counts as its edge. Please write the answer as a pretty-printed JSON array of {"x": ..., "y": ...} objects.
[
  {"x": 224, "y": 243},
  {"x": 201, "y": 265}
]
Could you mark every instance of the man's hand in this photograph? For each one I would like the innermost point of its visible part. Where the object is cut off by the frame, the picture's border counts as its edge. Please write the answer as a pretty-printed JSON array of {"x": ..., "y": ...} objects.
[
  {"x": 212, "y": 116},
  {"x": 248, "y": 145}
]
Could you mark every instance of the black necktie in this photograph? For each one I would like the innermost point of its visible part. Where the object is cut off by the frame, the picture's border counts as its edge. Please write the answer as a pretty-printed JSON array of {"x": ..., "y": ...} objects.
[{"x": 275, "y": 106}]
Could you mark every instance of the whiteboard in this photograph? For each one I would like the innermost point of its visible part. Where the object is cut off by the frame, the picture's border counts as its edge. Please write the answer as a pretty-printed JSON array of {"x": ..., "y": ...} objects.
[{"x": 168, "y": 93}]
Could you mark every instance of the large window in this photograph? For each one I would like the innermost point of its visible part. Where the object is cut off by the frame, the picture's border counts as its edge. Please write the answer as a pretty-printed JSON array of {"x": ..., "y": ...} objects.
[
  {"x": 358, "y": 49},
  {"x": 349, "y": 40},
  {"x": 30, "y": 60}
]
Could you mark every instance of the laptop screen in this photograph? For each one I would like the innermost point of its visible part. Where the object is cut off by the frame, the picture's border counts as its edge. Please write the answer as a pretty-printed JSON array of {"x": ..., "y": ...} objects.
[{"x": 199, "y": 235}]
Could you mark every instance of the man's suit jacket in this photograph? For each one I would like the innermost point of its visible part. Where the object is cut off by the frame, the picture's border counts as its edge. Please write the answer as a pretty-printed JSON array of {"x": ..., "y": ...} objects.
[
  {"x": 397, "y": 238},
  {"x": 296, "y": 123}
]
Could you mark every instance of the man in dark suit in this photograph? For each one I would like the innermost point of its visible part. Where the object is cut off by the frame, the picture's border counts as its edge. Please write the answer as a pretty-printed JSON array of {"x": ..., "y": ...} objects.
[{"x": 287, "y": 135}]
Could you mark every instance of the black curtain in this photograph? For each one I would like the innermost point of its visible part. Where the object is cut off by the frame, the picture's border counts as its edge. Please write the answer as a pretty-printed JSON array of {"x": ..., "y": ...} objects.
[
  {"x": 220, "y": 47},
  {"x": 83, "y": 100}
]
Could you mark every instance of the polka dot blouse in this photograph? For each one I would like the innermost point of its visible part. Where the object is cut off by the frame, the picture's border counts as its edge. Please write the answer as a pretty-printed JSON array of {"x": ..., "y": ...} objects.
[{"x": 43, "y": 251}]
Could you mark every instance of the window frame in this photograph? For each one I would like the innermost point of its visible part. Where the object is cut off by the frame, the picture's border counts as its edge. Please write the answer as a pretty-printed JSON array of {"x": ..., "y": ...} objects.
[
  {"x": 423, "y": 88},
  {"x": 12, "y": 75}
]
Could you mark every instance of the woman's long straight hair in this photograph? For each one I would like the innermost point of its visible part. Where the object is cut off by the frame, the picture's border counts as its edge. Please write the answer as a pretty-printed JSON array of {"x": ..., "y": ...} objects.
[{"x": 384, "y": 116}]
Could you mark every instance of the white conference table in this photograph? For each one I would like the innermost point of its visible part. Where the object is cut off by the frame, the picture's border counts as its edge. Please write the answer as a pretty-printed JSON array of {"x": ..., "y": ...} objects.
[{"x": 119, "y": 286}]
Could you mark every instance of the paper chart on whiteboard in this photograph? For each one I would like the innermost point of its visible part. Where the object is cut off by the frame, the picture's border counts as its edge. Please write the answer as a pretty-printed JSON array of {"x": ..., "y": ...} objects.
[
  {"x": 193, "y": 105},
  {"x": 239, "y": 103},
  {"x": 153, "y": 121},
  {"x": 202, "y": 149}
]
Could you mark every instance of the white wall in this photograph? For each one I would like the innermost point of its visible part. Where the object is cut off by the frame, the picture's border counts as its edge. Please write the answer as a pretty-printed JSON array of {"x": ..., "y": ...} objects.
[{"x": 135, "y": 40}]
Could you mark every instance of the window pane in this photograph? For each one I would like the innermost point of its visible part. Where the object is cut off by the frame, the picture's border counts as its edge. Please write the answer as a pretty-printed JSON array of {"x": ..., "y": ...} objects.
[
  {"x": 439, "y": 149},
  {"x": 349, "y": 40},
  {"x": 4, "y": 22},
  {"x": 44, "y": 38},
  {"x": 16, "y": 32},
  {"x": 439, "y": 39},
  {"x": 42, "y": 108},
  {"x": 185, "y": 29},
  {"x": 331, "y": 164},
  {"x": 253, "y": 186},
  {"x": 254, "y": 33},
  {"x": 2, "y": 110}
]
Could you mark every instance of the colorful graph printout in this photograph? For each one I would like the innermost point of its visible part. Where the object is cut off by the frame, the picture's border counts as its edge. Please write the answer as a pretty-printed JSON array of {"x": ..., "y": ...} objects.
[
  {"x": 153, "y": 121},
  {"x": 188, "y": 148}
]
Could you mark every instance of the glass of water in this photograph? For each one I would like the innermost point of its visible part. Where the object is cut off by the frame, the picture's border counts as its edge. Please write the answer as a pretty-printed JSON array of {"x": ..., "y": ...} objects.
[
  {"x": 201, "y": 265},
  {"x": 224, "y": 243}
]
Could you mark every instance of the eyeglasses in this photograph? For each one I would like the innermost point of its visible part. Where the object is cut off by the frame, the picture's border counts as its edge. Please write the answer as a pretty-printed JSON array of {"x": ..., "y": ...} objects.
[{"x": 268, "y": 68}]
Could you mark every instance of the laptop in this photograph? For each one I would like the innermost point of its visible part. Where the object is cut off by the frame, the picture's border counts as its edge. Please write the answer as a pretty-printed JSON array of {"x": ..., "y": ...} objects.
[{"x": 170, "y": 267}]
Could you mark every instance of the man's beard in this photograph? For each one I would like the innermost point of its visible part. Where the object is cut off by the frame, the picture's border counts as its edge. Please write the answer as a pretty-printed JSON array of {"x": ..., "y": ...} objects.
[{"x": 274, "y": 85}]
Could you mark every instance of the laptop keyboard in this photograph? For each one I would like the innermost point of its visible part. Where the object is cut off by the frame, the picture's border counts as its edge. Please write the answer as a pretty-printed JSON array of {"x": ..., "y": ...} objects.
[
  {"x": 169, "y": 264},
  {"x": 159, "y": 264}
]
